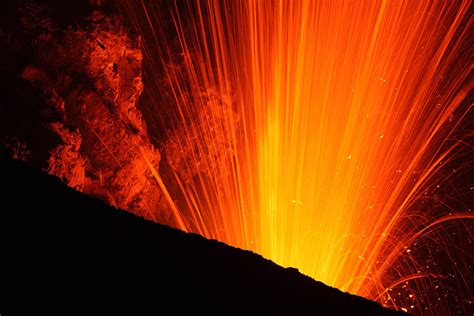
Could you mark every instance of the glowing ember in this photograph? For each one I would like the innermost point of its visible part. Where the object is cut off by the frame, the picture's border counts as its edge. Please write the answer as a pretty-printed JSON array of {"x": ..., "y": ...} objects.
[{"x": 308, "y": 131}]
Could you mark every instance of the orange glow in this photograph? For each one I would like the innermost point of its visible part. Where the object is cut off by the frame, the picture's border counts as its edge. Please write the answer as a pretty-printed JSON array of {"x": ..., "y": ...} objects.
[{"x": 315, "y": 126}]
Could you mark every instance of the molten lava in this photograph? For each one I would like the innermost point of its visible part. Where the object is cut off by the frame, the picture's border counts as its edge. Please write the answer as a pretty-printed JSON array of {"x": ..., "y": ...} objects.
[{"x": 308, "y": 131}]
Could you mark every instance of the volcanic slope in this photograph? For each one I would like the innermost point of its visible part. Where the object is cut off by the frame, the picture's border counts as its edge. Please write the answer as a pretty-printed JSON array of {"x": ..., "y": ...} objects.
[{"x": 67, "y": 253}]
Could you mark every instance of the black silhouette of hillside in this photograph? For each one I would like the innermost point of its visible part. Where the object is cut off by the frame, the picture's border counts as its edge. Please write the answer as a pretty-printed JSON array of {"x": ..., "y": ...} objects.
[{"x": 66, "y": 253}]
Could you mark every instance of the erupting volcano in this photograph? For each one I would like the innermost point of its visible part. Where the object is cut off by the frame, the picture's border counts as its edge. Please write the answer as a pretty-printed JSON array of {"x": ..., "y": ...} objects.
[{"x": 330, "y": 136}]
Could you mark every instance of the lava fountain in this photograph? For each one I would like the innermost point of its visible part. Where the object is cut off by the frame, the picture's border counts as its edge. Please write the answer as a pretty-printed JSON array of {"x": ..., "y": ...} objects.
[{"x": 309, "y": 132}]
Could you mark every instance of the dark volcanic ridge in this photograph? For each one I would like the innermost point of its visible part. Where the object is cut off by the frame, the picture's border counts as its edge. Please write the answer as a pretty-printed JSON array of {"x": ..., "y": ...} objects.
[{"x": 64, "y": 252}]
